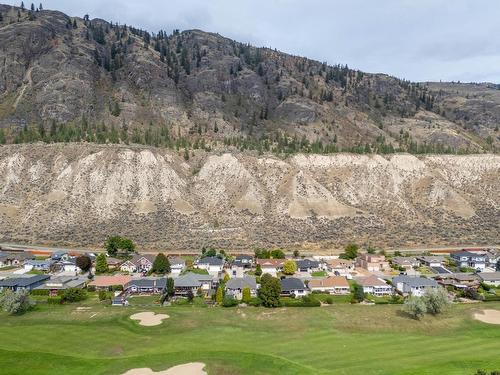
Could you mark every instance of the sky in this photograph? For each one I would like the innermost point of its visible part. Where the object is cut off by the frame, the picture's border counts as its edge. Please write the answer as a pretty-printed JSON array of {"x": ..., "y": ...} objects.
[{"x": 420, "y": 40}]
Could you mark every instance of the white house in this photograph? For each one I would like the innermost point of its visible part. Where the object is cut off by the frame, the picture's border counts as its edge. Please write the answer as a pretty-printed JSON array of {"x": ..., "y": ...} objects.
[
  {"x": 293, "y": 287},
  {"x": 415, "y": 286},
  {"x": 271, "y": 266},
  {"x": 375, "y": 286},
  {"x": 235, "y": 286},
  {"x": 213, "y": 265},
  {"x": 177, "y": 265},
  {"x": 469, "y": 259},
  {"x": 431, "y": 261},
  {"x": 490, "y": 278}
]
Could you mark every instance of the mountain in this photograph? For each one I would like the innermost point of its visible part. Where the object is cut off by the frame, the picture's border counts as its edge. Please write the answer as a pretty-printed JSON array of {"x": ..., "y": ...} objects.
[
  {"x": 78, "y": 194},
  {"x": 69, "y": 79},
  {"x": 190, "y": 139}
]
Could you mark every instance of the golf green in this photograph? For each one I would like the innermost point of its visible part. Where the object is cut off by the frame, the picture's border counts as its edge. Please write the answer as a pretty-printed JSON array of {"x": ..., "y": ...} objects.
[{"x": 337, "y": 339}]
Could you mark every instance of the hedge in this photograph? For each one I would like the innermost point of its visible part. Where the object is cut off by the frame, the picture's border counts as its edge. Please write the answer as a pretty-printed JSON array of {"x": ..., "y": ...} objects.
[
  {"x": 40, "y": 292},
  {"x": 54, "y": 300}
]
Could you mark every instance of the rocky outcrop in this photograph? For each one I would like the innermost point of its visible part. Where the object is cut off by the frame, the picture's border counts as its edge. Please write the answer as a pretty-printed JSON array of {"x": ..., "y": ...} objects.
[{"x": 81, "y": 193}]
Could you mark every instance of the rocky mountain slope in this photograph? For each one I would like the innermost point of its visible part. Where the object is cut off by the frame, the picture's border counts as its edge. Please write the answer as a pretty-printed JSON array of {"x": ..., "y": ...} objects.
[
  {"x": 79, "y": 194},
  {"x": 67, "y": 78}
]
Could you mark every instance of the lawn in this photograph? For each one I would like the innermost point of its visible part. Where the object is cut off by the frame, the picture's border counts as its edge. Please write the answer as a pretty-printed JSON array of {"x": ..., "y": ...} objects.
[{"x": 338, "y": 339}]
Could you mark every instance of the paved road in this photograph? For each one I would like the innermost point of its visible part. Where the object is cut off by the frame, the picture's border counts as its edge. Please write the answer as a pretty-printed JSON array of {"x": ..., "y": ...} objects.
[{"x": 304, "y": 252}]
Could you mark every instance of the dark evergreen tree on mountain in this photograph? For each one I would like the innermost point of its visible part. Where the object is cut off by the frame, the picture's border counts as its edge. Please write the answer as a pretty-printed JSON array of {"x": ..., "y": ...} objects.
[
  {"x": 1, "y": 17},
  {"x": 40, "y": 6},
  {"x": 22, "y": 6},
  {"x": 32, "y": 7}
]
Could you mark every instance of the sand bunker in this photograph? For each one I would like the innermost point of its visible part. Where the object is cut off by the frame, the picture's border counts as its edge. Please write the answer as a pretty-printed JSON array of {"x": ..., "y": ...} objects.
[
  {"x": 193, "y": 368},
  {"x": 488, "y": 316},
  {"x": 149, "y": 318}
]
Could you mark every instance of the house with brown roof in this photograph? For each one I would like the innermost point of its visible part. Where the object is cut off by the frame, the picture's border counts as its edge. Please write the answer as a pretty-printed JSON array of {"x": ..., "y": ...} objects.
[
  {"x": 271, "y": 266},
  {"x": 373, "y": 262},
  {"x": 107, "y": 282},
  {"x": 406, "y": 262},
  {"x": 341, "y": 267},
  {"x": 139, "y": 263},
  {"x": 375, "y": 286},
  {"x": 331, "y": 284}
]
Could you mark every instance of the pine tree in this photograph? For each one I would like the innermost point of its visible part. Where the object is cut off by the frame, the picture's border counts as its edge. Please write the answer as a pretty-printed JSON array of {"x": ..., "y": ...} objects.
[
  {"x": 219, "y": 295},
  {"x": 101, "y": 265},
  {"x": 40, "y": 7},
  {"x": 22, "y": 6},
  {"x": 32, "y": 7}
]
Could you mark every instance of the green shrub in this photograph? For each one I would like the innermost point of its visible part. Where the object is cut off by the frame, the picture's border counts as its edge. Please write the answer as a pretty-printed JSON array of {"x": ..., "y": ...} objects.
[
  {"x": 117, "y": 288},
  {"x": 255, "y": 301},
  {"x": 91, "y": 288},
  {"x": 40, "y": 292},
  {"x": 54, "y": 300},
  {"x": 329, "y": 300},
  {"x": 74, "y": 295},
  {"x": 229, "y": 301},
  {"x": 103, "y": 295}
]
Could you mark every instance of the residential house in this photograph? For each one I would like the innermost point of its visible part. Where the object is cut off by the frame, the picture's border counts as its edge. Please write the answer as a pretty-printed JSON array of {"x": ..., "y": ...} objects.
[
  {"x": 240, "y": 265},
  {"x": 469, "y": 259},
  {"x": 55, "y": 284},
  {"x": 415, "y": 286},
  {"x": 406, "y": 262},
  {"x": 146, "y": 285},
  {"x": 293, "y": 287},
  {"x": 141, "y": 263},
  {"x": 235, "y": 286},
  {"x": 59, "y": 255},
  {"x": 38, "y": 265},
  {"x": 459, "y": 280},
  {"x": 375, "y": 286},
  {"x": 70, "y": 266},
  {"x": 113, "y": 262},
  {"x": 213, "y": 265},
  {"x": 490, "y": 278},
  {"x": 431, "y": 261},
  {"x": 177, "y": 265},
  {"x": 21, "y": 283},
  {"x": 307, "y": 265},
  {"x": 341, "y": 267},
  {"x": 331, "y": 284},
  {"x": 110, "y": 282},
  {"x": 271, "y": 266},
  {"x": 373, "y": 262},
  {"x": 17, "y": 259},
  {"x": 492, "y": 257},
  {"x": 193, "y": 282}
]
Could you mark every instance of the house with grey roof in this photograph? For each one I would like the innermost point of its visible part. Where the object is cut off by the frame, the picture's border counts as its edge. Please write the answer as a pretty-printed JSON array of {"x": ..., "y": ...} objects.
[
  {"x": 23, "y": 283},
  {"x": 469, "y": 259},
  {"x": 307, "y": 265},
  {"x": 193, "y": 282},
  {"x": 213, "y": 265},
  {"x": 14, "y": 259},
  {"x": 235, "y": 286},
  {"x": 146, "y": 285},
  {"x": 490, "y": 278},
  {"x": 57, "y": 283},
  {"x": 431, "y": 261},
  {"x": 415, "y": 286},
  {"x": 406, "y": 262},
  {"x": 293, "y": 287},
  {"x": 38, "y": 265}
]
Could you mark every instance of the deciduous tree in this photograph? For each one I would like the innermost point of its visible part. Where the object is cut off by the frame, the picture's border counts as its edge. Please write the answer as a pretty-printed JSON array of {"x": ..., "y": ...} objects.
[
  {"x": 269, "y": 291},
  {"x": 161, "y": 265},
  {"x": 290, "y": 267},
  {"x": 415, "y": 307}
]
